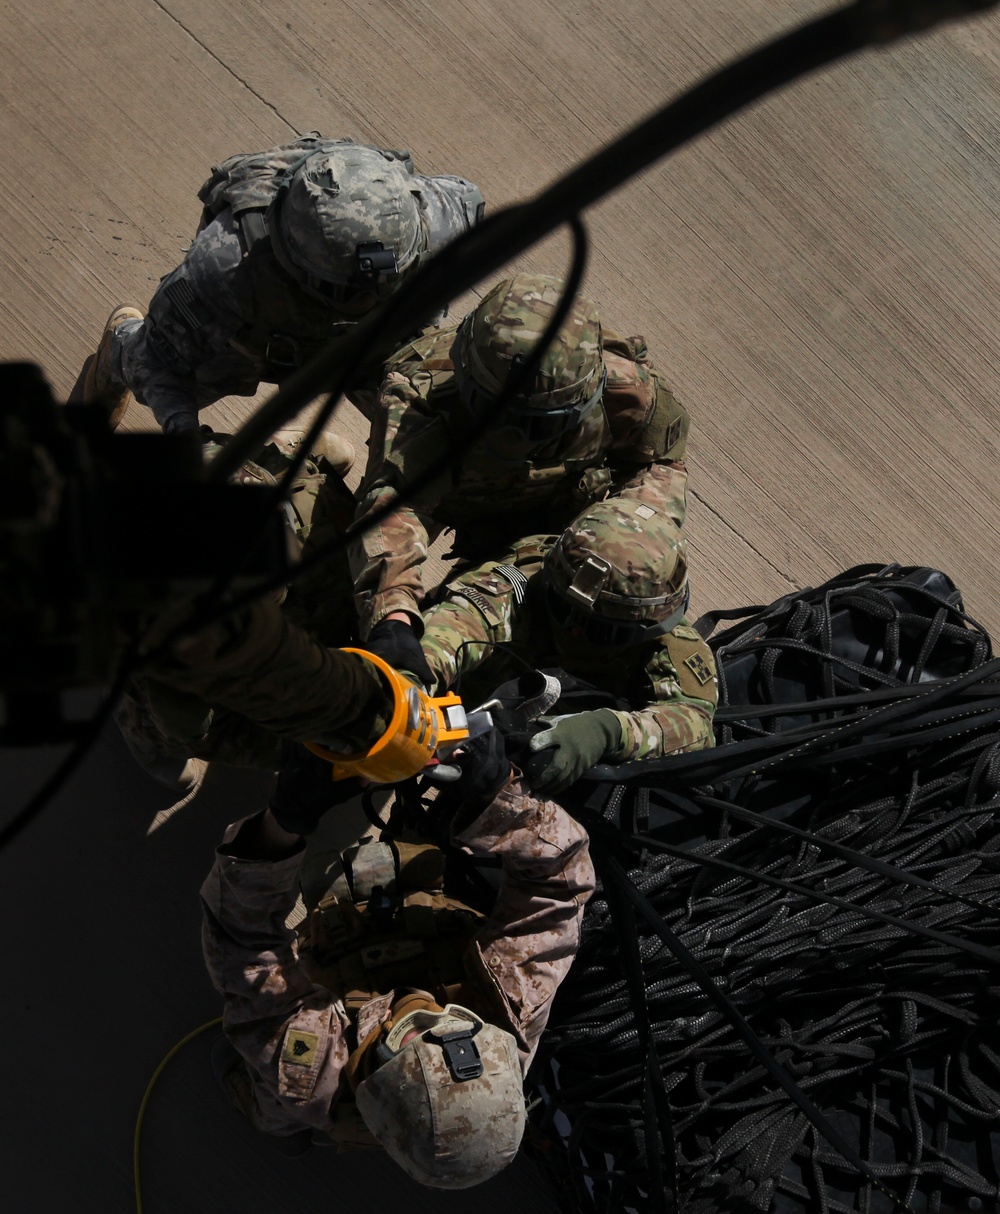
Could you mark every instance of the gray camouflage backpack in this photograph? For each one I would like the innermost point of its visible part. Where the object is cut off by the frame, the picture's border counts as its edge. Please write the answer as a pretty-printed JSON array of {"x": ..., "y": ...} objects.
[{"x": 249, "y": 181}]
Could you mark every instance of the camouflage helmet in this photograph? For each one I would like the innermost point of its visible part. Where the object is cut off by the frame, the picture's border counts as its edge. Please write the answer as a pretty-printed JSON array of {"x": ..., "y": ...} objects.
[
  {"x": 447, "y": 1105},
  {"x": 347, "y": 221},
  {"x": 618, "y": 573},
  {"x": 502, "y": 331}
]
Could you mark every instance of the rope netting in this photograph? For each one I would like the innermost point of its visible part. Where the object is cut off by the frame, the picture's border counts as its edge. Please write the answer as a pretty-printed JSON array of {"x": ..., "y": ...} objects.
[{"x": 796, "y": 938}]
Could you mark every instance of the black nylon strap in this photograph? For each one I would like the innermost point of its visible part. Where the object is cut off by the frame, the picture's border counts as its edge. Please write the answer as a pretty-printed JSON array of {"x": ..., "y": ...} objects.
[{"x": 753, "y": 1043}]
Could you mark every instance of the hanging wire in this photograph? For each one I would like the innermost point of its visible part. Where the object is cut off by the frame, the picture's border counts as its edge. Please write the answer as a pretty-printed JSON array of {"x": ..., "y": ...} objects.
[{"x": 141, "y": 1116}]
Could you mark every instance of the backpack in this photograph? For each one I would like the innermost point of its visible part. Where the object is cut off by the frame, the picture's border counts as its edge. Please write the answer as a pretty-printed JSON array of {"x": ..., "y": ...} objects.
[{"x": 249, "y": 181}]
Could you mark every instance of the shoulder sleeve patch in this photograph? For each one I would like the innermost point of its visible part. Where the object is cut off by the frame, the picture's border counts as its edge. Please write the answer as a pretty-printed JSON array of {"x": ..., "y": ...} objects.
[
  {"x": 300, "y": 1047},
  {"x": 675, "y": 432},
  {"x": 186, "y": 303},
  {"x": 694, "y": 663},
  {"x": 700, "y": 668}
]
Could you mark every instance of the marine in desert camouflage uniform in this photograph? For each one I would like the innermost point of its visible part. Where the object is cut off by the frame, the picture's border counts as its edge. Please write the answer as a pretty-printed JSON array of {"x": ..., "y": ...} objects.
[
  {"x": 605, "y": 602},
  {"x": 398, "y": 1015},
  {"x": 597, "y": 421},
  {"x": 295, "y": 245}
]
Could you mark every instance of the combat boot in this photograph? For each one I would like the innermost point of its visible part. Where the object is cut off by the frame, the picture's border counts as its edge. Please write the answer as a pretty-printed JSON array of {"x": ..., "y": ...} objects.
[
  {"x": 98, "y": 383},
  {"x": 233, "y": 1078}
]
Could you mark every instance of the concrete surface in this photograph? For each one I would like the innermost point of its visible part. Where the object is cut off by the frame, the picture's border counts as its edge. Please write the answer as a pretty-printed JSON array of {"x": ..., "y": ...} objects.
[{"x": 816, "y": 279}]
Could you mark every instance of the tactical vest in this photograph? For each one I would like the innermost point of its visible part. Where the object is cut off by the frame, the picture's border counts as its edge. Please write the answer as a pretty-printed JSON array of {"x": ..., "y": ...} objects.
[
  {"x": 384, "y": 924},
  {"x": 288, "y": 326}
]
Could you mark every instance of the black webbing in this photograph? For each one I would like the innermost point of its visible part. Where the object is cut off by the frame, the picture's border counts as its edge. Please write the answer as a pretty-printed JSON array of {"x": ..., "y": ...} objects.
[
  {"x": 716, "y": 995},
  {"x": 834, "y": 876}
]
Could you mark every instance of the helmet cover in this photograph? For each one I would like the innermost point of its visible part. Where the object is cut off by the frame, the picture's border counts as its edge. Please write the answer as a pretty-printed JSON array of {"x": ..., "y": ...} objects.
[
  {"x": 620, "y": 562},
  {"x": 448, "y": 1105},
  {"x": 502, "y": 331},
  {"x": 347, "y": 220}
]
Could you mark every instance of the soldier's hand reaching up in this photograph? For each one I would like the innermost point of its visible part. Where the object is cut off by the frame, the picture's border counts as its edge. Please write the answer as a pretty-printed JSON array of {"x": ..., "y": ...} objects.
[
  {"x": 395, "y": 642},
  {"x": 561, "y": 754}
]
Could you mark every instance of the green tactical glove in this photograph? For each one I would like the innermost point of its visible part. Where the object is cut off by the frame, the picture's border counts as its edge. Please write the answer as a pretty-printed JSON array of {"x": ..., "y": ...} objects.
[{"x": 562, "y": 754}]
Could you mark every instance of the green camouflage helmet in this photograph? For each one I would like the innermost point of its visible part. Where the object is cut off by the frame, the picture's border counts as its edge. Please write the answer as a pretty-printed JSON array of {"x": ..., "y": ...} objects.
[
  {"x": 618, "y": 573},
  {"x": 346, "y": 221},
  {"x": 503, "y": 330},
  {"x": 447, "y": 1105}
]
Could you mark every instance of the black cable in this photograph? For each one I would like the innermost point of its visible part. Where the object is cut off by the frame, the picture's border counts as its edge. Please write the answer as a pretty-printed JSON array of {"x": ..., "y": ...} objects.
[
  {"x": 725, "y": 1004},
  {"x": 983, "y": 951}
]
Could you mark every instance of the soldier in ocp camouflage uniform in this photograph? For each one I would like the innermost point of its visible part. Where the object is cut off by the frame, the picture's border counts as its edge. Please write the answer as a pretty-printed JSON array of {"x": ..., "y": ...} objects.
[
  {"x": 295, "y": 245},
  {"x": 400, "y": 1016},
  {"x": 596, "y": 421},
  {"x": 605, "y": 602}
]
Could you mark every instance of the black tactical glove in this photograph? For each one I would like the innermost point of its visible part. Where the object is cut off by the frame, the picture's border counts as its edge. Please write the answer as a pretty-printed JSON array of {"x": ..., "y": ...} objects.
[
  {"x": 484, "y": 768},
  {"x": 561, "y": 754},
  {"x": 397, "y": 644},
  {"x": 306, "y": 790}
]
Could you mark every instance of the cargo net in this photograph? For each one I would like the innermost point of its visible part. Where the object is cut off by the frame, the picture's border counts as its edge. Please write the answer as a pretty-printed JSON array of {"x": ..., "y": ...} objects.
[{"x": 787, "y": 996}]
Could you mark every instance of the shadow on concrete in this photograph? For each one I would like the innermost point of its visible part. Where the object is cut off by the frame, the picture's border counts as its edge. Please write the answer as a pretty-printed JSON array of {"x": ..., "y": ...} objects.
[{"x": 104, "y": 975}]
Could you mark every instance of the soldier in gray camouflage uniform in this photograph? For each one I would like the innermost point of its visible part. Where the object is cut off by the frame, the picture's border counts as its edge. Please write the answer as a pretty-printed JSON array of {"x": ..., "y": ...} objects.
[
  {"x": 605, "y": 602},
  {"x": 597, "y": 420},
  {"x": 295, "y": 244},
  {"x": 399, "y": 1016}
]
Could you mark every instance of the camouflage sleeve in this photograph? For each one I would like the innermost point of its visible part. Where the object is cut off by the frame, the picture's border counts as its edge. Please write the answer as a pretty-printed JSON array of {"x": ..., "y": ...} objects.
[
  {"x": 461, "y": 629},
  {"x": 451, "y": 206},
  {"x": 259, "y": 664},
  {"x": 387, "y": 559},
  {"x": 190, "y": 322},
  {"x": 526, "y": 947},
  {"x": 290, "y": 1031},
  {"x": 663, "y": 486},
  {"x": 684, "y": 696}
]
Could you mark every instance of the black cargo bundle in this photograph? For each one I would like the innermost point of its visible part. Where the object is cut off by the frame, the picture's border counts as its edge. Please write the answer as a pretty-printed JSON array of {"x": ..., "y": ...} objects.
[{"x": 788, "y": 992}]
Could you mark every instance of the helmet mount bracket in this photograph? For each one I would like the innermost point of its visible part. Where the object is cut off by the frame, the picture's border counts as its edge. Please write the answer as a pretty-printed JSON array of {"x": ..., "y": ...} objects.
[
  {"x": 460, "y": 1052},
  {"x": 588, "y": 581},
  {"x": 375, "y": 260}
]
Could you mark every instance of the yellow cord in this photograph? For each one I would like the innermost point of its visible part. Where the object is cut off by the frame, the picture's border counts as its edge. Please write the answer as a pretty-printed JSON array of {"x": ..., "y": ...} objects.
[{"x": 145, "y": 1101}]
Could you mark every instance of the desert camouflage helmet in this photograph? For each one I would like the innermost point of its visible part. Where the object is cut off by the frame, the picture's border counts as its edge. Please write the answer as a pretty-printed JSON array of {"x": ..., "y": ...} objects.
[
  {"x": 347, "y": 220},
  {"x": 448, "y": 1105},
  {"x": 503, "y": 330},
  {"x": 620, "y": 572}
]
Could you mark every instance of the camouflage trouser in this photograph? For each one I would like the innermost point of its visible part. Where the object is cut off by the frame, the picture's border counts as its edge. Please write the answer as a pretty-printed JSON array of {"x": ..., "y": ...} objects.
[{"x": 319, "y": 510}]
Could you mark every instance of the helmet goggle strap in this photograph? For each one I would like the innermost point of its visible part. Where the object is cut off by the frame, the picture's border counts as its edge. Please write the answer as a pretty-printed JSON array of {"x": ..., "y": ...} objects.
[
  {"x": 543, "y": 426},
  {"x": 603, "y": 631},
  {"x": 453, "y": 1028}
]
